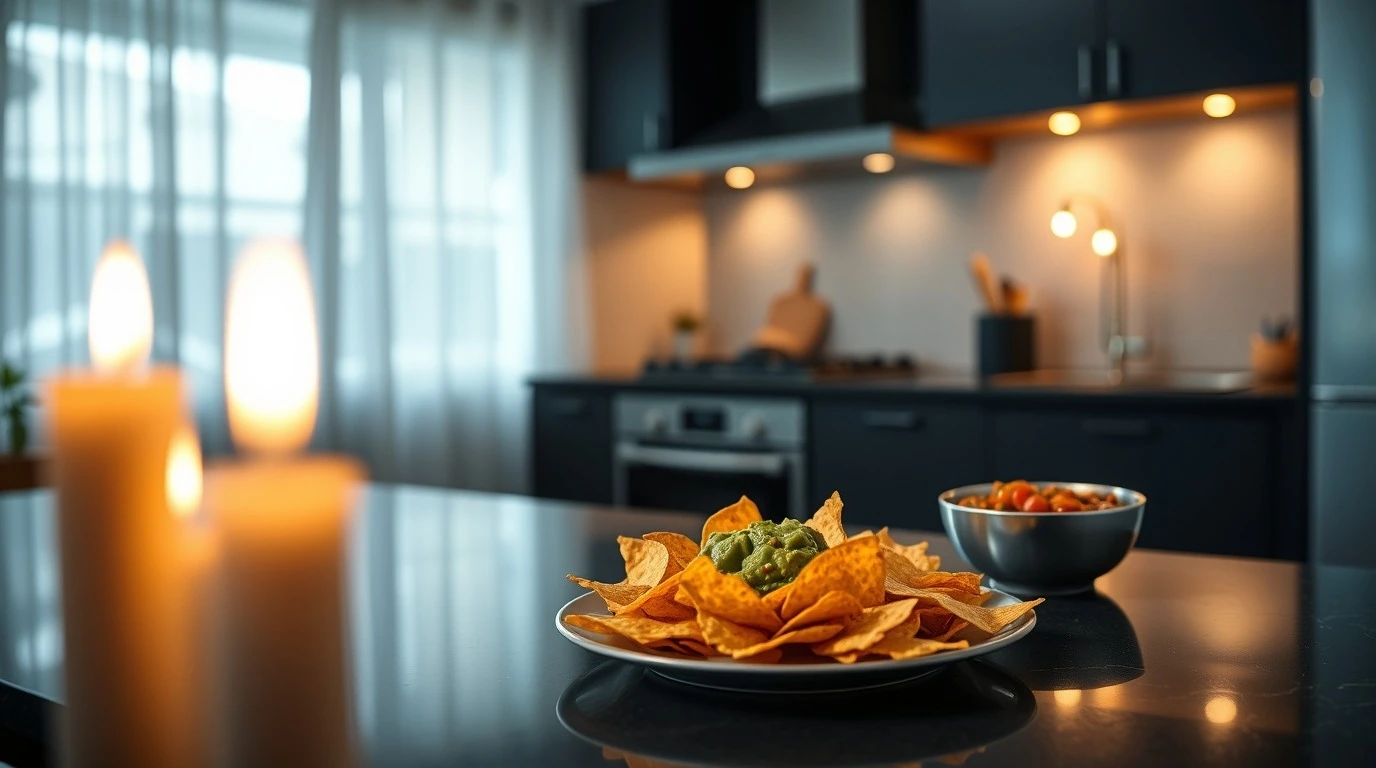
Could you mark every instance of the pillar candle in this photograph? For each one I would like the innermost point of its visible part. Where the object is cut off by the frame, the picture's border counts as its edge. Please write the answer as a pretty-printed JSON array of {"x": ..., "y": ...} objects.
[
  {"x": 122, "y": 601},
  {"x": 284, "y": 520}
]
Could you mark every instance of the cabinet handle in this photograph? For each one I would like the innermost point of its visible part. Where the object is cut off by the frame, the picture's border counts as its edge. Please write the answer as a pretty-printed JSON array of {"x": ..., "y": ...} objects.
[
  {"x": 568, "y": 406},
  {"x": 1117, "y": 427},
  {"x": 1086, "y": 71},
  {"x": 651, "y": 130},
  {"x": 1114, "y": 68},
  {"x": 892, "y": 420}
]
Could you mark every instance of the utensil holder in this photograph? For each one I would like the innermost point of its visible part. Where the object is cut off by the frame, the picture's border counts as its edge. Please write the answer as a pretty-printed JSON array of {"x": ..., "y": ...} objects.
[
  {"x": 1275, "y": 360},
  {"x": 1006, "y": 343}
]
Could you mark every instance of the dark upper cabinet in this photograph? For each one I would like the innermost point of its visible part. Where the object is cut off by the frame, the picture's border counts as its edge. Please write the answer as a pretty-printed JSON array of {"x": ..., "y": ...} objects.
[
  {"x": 1209, "y": 480},
  {"x": 890, "y": 461},
  {"x": 572, "y": 445},
  {"x": 984, "y": 58},
  {"x": 1165, "y": 47},
  {"x": 658, "y": 71},
  {"x": 989, "y": 58}
]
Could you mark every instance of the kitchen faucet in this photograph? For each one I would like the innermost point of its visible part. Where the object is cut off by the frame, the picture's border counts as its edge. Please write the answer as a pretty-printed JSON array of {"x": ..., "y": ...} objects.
[{"x": 1107, "y": 244}]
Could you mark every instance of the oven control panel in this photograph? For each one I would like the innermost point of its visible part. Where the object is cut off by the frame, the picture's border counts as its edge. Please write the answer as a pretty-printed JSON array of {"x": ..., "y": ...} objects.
[{"x": 711, "y": 420}]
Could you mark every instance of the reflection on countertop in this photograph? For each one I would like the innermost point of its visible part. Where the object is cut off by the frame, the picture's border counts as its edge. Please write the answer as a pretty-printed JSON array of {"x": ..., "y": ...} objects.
[{"x": 1177, "y": 660}]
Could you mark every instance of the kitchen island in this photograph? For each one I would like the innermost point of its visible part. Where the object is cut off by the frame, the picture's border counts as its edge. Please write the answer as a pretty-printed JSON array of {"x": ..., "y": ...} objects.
[{"x": 1178, "y": 659}]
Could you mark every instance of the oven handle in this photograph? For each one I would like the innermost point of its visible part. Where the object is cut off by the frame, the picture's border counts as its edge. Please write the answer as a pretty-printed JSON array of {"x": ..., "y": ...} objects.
[{"x": 770, "y": 464}]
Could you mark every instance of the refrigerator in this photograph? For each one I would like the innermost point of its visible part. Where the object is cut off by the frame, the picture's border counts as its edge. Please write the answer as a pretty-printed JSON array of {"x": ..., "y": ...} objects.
[{"x": 1342, "y": 285}]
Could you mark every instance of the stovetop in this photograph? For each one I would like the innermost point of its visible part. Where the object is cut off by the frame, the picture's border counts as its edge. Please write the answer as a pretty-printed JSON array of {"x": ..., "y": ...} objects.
[{"x": 756, "y": 366}]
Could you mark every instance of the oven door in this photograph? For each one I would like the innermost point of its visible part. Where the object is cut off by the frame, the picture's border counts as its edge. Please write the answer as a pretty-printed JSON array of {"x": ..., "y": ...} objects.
[{"x": 707, "y": 479}]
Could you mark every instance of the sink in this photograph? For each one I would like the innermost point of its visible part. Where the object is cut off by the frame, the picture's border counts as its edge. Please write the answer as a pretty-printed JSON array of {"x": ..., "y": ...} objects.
[{"x": 1189, "y": 382}]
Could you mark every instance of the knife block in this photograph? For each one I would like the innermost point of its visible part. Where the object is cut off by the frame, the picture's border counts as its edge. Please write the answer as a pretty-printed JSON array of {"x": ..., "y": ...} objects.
[{"x": 1007, "y": 343}]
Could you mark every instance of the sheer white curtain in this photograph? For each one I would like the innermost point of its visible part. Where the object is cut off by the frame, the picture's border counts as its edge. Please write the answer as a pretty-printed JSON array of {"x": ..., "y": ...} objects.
[
  {"x": 440, "y": 213},
  {"x": 176, "y": 124},
  {"x": 423, "y": 149}
]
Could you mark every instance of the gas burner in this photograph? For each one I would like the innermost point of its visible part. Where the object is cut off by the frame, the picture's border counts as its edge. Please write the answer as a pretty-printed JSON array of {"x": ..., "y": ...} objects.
[{"x": 766, "y": 365}]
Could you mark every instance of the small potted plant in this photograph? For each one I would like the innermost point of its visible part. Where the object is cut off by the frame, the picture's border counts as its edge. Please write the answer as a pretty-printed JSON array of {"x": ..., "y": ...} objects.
[
  {"x": 17, "y": 471},
  {"x": 686, "y": 325}
]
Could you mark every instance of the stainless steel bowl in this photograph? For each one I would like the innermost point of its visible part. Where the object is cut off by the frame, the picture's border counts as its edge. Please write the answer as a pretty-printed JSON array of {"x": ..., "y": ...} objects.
[{"x": 1043, "y": 553}]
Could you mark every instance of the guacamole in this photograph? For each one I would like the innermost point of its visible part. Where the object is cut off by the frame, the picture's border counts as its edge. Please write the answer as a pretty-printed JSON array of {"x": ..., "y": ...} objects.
[{"x": 767, "y": 555}]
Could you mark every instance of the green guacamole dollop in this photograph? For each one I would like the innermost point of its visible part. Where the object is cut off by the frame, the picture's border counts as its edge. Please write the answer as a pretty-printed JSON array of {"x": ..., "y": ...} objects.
[{"x": 766, "y": 554}]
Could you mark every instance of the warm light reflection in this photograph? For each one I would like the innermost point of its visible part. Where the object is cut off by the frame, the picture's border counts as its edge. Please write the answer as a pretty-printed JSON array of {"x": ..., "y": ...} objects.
[
  {"x": 120, "y": 321},
  {"x": 739, "y": 177},
  {"x": 1219, "y": 105},
  {"x": 271, "y": 354},
  {"x": 1220, "y": 709},
  {"x": 184, "y": 472},
  {"x": 1066, "y": 698},
  {"x": 1063, "y": 223},
  {"x": 1063, "y": 123},
  {"x": 1103, "y": 242},
  {"x": 879, "y": 162},
  {"x": 1316, "y": 87}
]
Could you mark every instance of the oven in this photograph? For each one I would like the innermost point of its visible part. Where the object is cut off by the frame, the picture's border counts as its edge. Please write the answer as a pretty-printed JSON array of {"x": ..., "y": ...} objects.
[{"x": 699, "y": 453}]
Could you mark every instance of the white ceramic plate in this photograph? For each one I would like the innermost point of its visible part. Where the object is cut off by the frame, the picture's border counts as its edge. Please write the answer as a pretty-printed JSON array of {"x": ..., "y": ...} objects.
[{"x": 735, "y": 675}]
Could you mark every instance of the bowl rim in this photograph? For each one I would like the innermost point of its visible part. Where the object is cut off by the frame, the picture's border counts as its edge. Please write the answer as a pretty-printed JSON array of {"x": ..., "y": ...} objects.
[{"x": 944, "y": 498}]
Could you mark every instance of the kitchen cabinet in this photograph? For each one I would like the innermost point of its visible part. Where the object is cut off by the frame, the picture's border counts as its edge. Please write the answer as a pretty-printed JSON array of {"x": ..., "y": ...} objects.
[
  {"x": 990, "y": 58},
  {"x": 657, "y": 71},
  {"x": 984, "y": 58},
  {"x": 890, "y": 461},
  {"x": 1165, "y": 47},
  {"x": 572, "y": 444},
  {"x": 1208, "y": 478}
]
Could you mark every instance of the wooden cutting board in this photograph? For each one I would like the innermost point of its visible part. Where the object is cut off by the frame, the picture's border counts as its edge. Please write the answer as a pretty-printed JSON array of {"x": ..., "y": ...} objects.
[{"x": 797, "y": 319}]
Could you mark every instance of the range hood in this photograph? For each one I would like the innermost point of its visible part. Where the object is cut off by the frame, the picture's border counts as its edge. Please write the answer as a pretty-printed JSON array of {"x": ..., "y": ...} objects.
[{"x": 836, "y": 80}]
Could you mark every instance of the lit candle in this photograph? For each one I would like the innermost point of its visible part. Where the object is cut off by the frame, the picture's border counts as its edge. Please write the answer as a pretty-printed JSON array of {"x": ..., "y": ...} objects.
[
  {"x": 123, "y": 603},
  {"x": 283, "y": 519}
]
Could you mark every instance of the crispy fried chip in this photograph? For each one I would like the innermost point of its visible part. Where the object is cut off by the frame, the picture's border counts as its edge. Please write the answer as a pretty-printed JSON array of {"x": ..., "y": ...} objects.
[
  {"x": 854, "y": 567},
  {"x": 647, "y": 562},
  {"x": 872, "y": 626},
  {"x": 701, "y": 649},
  {"x": 812, "y": 634},
  {"x": 728, "y": 596},
  {"x": 913, "y": 647},
  {"x": 915, "y": 554},
  {"x": 989, "y": 620},
  {"x": 616, "y": 596},
  {"x": 681, "y": 548},
  {"x": 775, "y": 600},
  {"x": 726, "y": 635},
  {"x": 659, "y": 603},
  {"x": 834, "y": 605},
  {"x": 736, "y": 517},
  {"x": 641, "y": 630},
  {"x": 827, "y": 521}
]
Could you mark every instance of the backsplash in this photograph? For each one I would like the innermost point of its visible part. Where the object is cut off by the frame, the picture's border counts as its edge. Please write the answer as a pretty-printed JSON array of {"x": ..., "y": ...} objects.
[{"x": 1207, "y": 212}]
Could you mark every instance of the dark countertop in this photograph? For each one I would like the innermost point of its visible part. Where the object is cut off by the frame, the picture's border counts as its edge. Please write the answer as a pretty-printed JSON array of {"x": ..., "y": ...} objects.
[
  {"x": 921, "y": 387},
  {"x": 1177, "y": 660}
]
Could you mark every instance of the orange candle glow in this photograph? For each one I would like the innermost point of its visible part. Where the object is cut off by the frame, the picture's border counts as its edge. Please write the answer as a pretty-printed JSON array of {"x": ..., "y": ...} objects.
[
  {"x": 127, "y": 648},
  {"x": 284, "y": 519}
]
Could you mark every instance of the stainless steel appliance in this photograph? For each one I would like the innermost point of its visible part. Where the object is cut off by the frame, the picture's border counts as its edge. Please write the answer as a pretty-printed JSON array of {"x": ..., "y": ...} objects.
[
  {"x": 1342, "y": 297},
  {"x": 702, "y": 452}
]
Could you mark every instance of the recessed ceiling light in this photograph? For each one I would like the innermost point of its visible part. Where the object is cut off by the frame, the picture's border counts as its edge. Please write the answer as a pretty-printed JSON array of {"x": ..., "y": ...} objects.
[
  {"x": 1219, "y": 105},
  {"x": 739, "y": 177},
  {"x": 1063, "y": 123},
  {"x": 879, "y": 162}
]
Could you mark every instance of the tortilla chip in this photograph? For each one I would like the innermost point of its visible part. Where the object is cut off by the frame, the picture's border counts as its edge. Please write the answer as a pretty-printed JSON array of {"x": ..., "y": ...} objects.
[
  {"x": 681, "y": 548},
  {"x": 728, "y": 596},
  {"x": 915, "y": 554},
  {"x": 641, "y": 630},
  {"x": 659, "y": 603},
  {"x": 913, "y": 647},
  {"x": 827, "y": 521},
  {"x": 701, "y": 649},
  {"x": 775, "y": 600},
  {"x": 872, "y": 627},
  {"x": 616, "y": 596},
  {"x": 647, "y": 562},
  {"x": 957, "y": 625},
  {"x": 854, "y": 567},
  {"x": 726, "y": 635},
  {"x": 989, "y": 620},
  {"x": 812, "y": 634},
  {"x": 736, "y": 517},
  {"x": 834, "y": 605}
]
